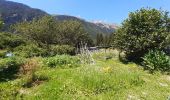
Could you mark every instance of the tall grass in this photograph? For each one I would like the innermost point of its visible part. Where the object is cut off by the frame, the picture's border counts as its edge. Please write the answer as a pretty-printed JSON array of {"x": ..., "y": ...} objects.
[{"x": 107, "y": 79}]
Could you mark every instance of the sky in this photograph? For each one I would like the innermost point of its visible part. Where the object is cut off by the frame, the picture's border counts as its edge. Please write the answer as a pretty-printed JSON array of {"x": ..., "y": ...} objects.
[{"x": 110, "y": 11}]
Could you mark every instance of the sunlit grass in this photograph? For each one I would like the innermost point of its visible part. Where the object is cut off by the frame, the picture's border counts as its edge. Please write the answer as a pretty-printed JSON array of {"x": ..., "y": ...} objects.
[{"x": 104, "y": 80}]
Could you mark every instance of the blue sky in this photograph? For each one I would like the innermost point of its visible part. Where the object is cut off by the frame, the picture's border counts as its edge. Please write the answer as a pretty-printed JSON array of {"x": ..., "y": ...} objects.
[{"x": 111, "y": 11}]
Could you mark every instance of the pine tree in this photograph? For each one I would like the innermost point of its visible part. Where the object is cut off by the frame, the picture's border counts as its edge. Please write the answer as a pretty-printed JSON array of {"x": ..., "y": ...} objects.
[
  {"x": 101, "y": 39},
  {"x": 1, "y": 23},
  {"x": 97, "y": 39}
]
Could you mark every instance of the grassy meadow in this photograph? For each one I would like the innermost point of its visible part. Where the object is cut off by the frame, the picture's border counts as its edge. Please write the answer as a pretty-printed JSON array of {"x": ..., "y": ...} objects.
[
  {"x": 49, "y": 59},
  {"x": 106, "y": 79}
]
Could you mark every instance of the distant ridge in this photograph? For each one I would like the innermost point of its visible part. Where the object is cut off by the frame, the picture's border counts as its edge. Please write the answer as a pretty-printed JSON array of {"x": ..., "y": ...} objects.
[
  {"x": 13, "y": 12},
  {"x": 91, "y": 27}
]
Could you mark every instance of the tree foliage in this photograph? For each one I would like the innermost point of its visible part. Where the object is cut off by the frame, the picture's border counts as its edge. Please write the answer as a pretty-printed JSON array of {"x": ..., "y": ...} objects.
[
  {"x": 1, "y": 23},
  {"x": 43, "y": 31},
  {"x": 144, "y": 30},
  {"x": 8, "y": 40},
  {"x": 104, "y": 40},
  {"x": 72, "y": 33},
  {"x": 99, "y": 39},
  {"x": 48, "y": 31}
]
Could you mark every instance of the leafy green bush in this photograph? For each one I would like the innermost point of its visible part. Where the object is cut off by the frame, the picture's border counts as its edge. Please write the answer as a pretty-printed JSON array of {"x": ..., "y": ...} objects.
[
  {"x": 9, "y": 40},
  {"x": 11, "y": 62},
  {"x": 144, "y": 30},
  {"x": 9, "y": 67},
  {"x": 156, "y": 61},
  {"x": 30, "y": 50},
  {"x": 62, "y": 61},
  {"x": 62, "y": 49},
  {"x": 2, "y": 53}
]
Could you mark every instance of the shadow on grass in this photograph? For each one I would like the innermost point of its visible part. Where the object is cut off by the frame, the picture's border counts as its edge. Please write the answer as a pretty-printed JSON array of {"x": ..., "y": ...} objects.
[
  {"x": 7, "y": 74},
  {"x": 35, "y": 81}
]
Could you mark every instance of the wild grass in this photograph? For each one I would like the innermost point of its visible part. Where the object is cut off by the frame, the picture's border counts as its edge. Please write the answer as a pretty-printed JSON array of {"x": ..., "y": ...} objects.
[{"x": 107, "y": 79}]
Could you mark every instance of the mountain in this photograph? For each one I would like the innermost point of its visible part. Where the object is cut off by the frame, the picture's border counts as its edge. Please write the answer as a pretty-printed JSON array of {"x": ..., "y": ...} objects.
[
  {"x": 91, "y": 27},
  {"x": 106, "y": 25},
  {"x": 12, "y": 12}
]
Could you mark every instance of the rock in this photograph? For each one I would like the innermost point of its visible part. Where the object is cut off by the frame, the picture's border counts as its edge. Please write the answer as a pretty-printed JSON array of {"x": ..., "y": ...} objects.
[{"x": 163, "y": 84}]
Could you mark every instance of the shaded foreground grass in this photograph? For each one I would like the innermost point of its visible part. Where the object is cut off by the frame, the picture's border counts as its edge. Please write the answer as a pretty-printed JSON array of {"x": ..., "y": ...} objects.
[{"x": 105, "y": 80}]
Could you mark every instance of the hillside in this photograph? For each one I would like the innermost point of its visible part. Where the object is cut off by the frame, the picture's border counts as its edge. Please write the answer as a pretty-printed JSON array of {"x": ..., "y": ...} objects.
[
  {"x": 13, "y": 12},
  {"x": 91, "y": 27}
]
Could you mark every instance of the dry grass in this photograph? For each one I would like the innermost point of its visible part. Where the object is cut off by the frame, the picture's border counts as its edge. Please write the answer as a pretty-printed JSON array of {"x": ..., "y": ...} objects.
[{"x": 30, "y": 66}]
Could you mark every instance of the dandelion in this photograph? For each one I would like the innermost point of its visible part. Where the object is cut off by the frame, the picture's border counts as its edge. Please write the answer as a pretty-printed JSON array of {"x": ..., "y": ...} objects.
[{"x": 107, "y": 69}]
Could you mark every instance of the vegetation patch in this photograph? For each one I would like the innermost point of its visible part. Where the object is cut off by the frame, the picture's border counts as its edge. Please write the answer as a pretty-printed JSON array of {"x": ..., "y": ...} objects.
[
  {"x": 35, "y": 80},
  {"x": 9, "y": 68},
  {"x": 144, "y": 30},
  {"x": 157, "y": 61},
  {"x": 50, "y": 59},
  {"x": 63, "y": 61}
]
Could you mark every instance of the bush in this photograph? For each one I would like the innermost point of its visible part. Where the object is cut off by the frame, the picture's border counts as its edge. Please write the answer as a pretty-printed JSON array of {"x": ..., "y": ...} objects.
[
  {"x": 9, "y": 40},
  {"x": 3, "y": 53},
  {"x": 62, "y": 61},
  {"x": 62, "y": 49},
  {"x": 144, "y": 30},
  {"x": 9, "y": 67},
  {"x": 30, "y": 50},
  {"x": 11, "y": 62},
  {"x": 156, "y": 61}
]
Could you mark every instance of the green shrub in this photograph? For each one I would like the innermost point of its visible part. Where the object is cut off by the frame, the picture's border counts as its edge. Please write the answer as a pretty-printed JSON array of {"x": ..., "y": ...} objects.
[
  {"x": 62, "y": 61},
  {"x": 2, "y": 53},
  {"x": 9, "y": 40},
  {"x": 62, "y": 49},
  {"x": 30, "y": 50},
  {"x": 156, "y": 61},
  {"x": 9, "y": 67},
  {"x": 11, "y": 62},
  {"x": 144, "y": 30}
]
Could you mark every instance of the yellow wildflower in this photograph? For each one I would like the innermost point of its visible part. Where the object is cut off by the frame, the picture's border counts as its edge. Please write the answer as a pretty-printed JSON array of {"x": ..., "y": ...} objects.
[{"x": 107, "y": 69}]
